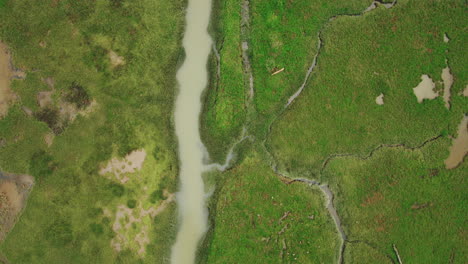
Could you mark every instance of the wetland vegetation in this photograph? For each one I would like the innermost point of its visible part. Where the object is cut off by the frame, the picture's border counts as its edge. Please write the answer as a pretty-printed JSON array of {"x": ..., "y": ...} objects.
[
  {"x": 356, "y": 125},
  {"x": 358, "y": 107}
]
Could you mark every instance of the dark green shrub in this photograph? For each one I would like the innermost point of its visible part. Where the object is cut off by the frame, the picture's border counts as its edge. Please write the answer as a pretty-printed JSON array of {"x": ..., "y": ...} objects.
[
  {"x": 156, "y": 196},
  {"x": 117, "y": 189},
  {"x": 96, "y": 228},
  {"x": 95, "y": 212},
  {"x": 59, "y": 233},
  {"x": 131, "y": 203},
  {"x": 41, "y": 165},
  {"x": 116, "y": 3},
  {"x": 106, "y": 221}
]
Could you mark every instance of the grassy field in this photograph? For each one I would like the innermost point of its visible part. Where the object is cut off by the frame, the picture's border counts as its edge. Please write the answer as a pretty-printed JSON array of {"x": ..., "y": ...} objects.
[
  {"x": 71, "y": 211},
  {"x": 405, "y": 198},
  {"x": 386, "y": 51},
  {"x": 260, "y": 219}
]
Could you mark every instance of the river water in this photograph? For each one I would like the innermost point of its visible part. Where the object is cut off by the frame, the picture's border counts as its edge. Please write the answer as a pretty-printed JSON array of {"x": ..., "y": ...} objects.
[{"x": 192, "y": 78}]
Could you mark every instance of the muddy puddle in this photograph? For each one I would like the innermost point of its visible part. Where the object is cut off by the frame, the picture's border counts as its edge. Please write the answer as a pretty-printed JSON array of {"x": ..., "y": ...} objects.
[
  {"x": 447, "y": 78},
  {"x": 425, "y": 89},
  {"x": 380, "y": 99}
]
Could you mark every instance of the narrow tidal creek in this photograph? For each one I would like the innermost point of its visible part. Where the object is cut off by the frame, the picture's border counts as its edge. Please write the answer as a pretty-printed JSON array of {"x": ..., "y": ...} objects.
[{"x": 192, "y": 78}]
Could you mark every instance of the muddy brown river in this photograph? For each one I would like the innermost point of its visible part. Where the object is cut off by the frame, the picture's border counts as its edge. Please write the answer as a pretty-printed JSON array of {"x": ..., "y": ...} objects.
[{"x": 192, "y": 78}]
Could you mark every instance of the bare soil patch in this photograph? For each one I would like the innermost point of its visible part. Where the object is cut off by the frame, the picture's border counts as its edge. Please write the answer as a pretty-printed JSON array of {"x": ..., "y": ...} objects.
[
  {"x": 380, "y": 99},
  {"x": 115, "y": 59},
  {"x": 6, "y": 73},
  {"x": 44, "y": 98},
  {"x": 126, "y": 218},
  {"x": 50, "y": 82},
  {"x": 131, "y": 163},
  {"x": 61, "y": 113},
  {"x": 49, "y": 139},
  {"x": 69, "y": 111},
  {"x": 446, "y": 38}
]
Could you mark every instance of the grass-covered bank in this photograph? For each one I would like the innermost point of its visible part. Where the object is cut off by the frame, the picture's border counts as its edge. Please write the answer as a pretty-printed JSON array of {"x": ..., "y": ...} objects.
[
  {"x": 223, "y": 113},
  {"x": 123, "y": 55}
]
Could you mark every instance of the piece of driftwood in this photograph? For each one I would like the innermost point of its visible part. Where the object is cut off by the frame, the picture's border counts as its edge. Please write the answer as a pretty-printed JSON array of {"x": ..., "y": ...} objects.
[{"x": 278, "y": 71}]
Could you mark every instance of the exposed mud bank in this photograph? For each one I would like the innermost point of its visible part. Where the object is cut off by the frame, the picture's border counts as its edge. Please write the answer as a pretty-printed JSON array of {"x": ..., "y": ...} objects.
[
  {"x": 459, "y": 147},
  {"x": 7, "y": 73},
  {"x": 14, "y": 191},
  {"x": 447, "y": 78}
]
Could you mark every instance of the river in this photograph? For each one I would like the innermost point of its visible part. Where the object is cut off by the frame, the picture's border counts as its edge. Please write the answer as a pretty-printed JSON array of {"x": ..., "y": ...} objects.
[{"x": 192, "y": 78}]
